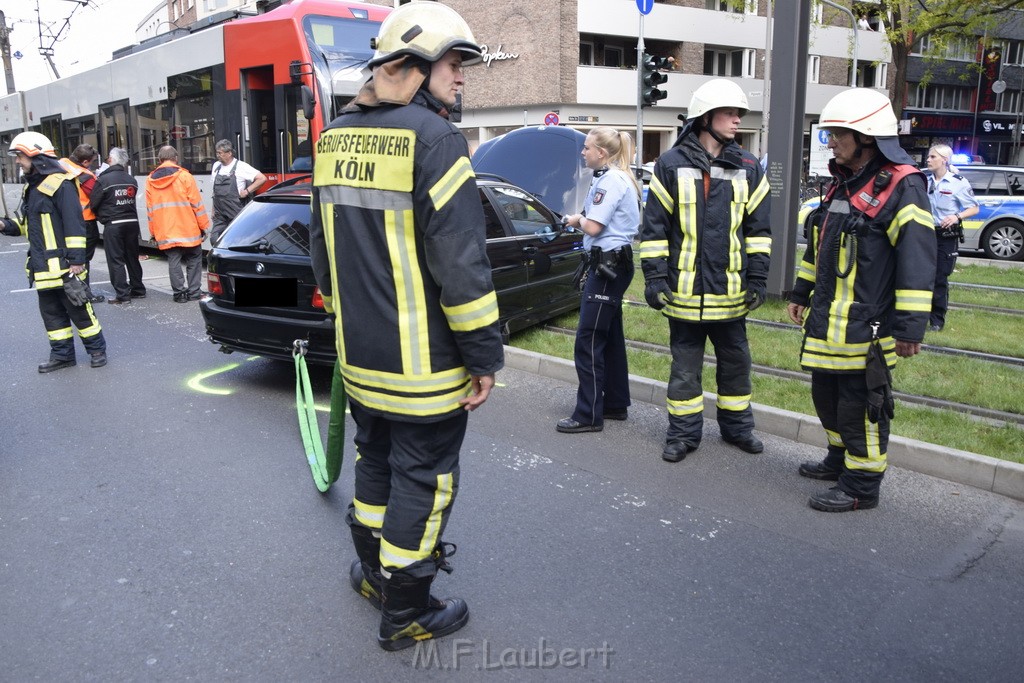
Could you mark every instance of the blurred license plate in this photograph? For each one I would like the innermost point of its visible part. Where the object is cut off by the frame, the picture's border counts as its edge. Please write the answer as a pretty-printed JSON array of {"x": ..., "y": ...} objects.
[{"x": 266, "y": 291}]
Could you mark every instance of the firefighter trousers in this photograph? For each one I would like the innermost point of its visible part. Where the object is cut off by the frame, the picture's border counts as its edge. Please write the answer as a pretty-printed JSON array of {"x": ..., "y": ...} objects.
[
  {"x": 58, "y": 315},
  {"x": 857, "y": 447},
  {"x": 407, "y": 477},
  {"x": 600, "y": 353},
  {"x": 732, "y": 372}
]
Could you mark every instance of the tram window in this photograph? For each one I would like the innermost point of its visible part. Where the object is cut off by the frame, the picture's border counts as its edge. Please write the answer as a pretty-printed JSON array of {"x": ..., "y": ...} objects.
[
  {"x": 192, "y": 133},
  {"x": 113, "y": 128},
  {"x": 150, "y": 130},
  {"x": 79, "y": 132}
]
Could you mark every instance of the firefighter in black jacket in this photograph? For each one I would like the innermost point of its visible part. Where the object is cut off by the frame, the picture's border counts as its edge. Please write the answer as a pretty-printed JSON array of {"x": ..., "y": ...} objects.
[
  {"x": 113, "y": 201},
  {"x": 866, "y": 276},
  {"x": 53, "y": 222},
  {"x": 705, "y": 249},
  {"x": 398, "y": 248}
]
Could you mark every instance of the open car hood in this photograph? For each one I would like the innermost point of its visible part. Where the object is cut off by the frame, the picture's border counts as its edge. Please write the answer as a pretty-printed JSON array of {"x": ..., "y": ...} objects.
[{"x": 544, "y": 160}]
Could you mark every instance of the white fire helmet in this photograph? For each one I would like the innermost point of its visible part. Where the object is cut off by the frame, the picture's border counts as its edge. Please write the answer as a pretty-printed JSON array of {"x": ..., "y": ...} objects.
[
  {"x": 717, "y": 93},
  {"x": 864, "y": 110},
  {"x": 31, "y": 144},
  {"x": 427, "y": 30}
]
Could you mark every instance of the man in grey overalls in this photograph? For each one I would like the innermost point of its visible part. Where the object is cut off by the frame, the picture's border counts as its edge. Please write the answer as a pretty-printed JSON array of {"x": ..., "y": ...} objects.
[{"x": 234, "y": 181}]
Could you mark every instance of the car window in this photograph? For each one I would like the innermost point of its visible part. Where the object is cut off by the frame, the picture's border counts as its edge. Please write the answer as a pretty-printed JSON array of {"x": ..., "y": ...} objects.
[
  {"x": 282, "y": 225},
  {"x": 494, "y": 228},
  {"x": 525, "y": 213},
  {"x": 1016, "y": 183},
  {"x": 979, "y": 180}
]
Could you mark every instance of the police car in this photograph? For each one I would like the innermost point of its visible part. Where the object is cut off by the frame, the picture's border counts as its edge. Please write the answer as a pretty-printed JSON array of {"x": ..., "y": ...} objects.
[{"x": 998, "y": 228}]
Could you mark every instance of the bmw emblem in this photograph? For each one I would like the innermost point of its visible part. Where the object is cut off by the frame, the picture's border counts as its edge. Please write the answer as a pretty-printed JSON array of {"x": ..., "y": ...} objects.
[{"x": 260, "y": 267}]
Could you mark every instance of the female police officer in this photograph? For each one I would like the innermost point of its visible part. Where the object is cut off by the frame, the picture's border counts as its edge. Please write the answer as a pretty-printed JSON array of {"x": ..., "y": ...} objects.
[{"x": 610, "y": 220}]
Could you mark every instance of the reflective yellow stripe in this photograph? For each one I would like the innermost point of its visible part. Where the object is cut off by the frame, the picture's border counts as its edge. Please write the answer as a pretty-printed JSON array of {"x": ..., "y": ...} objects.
[
  {"x": 844, "y": 299},
  {"x": 427, "y": 382},
  {"x": 654, "y": 249},
  {"x": 473, "y": 315},
  {"x": 760, "y": 192},
  {"x": 411, "y": 302},
  {"x": 758, "y": 245},
  {"x": 395, "y": 557},
  {"x": 909, "y": 213},
  {"x": 460, "y": 172},
  {"x": 434, "y": 404},
  {"x": 913, "y": 300},
  {"x": 834, "y": 439},
  {"x": 442, "y": 500},
  {"x": 687, "y": 263},
  {"x": 371, "y": 516},
  {"x": 876, "y": 460},
  {"x": 734, "y": 403},
  {"x": 74, "y": 242},
  {"x": 660, "y": 193},
  {"x": 690, "y": 406},
  {"x": 61, "y": 334},
  {"x": 804, "y": 271}
]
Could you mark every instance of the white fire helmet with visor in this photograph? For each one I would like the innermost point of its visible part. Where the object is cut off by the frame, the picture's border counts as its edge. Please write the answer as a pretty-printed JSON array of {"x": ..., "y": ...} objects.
[
  {"x": 869, "y": 112},
  {"x": 31, "y": 144},
  {"x": 718, "y": 93},
  {"x": 427, "y": 30}
]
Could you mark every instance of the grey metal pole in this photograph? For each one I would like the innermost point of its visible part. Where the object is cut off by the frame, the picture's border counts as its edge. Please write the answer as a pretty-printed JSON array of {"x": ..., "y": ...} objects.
[
  {"x": 856, "y": 38},
  {"x": 639, "y": 142},
  {"x": 767, "y": 79}
]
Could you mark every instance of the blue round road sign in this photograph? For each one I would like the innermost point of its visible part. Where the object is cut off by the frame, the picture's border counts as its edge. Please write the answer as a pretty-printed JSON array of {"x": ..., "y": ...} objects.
[{"x": 645, "y": 6}]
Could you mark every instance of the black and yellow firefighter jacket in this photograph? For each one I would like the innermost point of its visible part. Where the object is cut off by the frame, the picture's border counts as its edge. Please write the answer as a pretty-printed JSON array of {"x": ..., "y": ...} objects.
[
  {"x": 870, "y": 259},
  {"x": 52, "y": 222},
  {"x": 399, "y": 252},
  {"x": 706, "y": 229}
]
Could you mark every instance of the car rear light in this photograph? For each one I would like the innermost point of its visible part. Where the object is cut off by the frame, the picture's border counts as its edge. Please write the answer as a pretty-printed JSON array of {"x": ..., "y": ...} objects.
[
  {"x": 213, "y": 285},
  {"x": 318, "y": 298}
]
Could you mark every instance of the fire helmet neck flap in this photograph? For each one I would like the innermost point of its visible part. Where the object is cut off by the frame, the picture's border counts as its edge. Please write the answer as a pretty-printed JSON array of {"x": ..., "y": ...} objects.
[
  {"x": 426, "y": 30},
  {"x": 31, "y": 144}
]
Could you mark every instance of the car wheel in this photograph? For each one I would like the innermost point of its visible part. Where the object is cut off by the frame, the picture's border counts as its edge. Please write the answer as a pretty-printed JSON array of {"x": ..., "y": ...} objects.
[{"x": 1004, "y": 241}]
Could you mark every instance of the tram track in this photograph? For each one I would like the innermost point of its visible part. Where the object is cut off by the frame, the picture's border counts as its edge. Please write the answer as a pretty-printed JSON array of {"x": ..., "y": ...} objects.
[{"x": 992, "y": 416}]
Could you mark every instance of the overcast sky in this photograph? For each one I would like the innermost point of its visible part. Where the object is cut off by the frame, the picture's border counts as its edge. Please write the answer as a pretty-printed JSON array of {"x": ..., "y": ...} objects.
[{"x": 94, "y": 32}]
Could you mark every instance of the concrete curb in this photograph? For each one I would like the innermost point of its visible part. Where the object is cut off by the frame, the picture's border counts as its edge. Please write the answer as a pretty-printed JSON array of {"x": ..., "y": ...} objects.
[{"x": 971, "y": 469}]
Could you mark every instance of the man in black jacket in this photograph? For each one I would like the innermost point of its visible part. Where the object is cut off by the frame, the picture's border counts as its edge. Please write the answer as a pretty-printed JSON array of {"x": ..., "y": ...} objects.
[{"x": 113, "y": 202}]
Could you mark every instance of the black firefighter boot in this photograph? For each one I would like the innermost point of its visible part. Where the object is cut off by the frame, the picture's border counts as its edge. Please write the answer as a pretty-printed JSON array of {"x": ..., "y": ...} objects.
[
  {"x": 410, "y": 614},
  {"x": 365, "y": 572}
]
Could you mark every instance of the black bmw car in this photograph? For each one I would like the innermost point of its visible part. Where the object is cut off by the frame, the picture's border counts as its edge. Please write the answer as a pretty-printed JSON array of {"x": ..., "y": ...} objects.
[{"x": 263, "y": 296}]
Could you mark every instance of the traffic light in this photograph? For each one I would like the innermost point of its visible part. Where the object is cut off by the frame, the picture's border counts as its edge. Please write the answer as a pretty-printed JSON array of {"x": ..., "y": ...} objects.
[{"x": 651, "y": 77}]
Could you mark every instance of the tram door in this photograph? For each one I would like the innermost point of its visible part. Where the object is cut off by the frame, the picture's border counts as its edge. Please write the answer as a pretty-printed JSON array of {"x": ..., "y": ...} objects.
[
  {"x": 113, "y": 128},
  {"x": 259, "y": 130}
]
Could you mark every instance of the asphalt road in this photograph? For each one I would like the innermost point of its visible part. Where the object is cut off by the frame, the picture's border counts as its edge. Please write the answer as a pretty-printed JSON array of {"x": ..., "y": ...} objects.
[{"x": 158, "y": 522}]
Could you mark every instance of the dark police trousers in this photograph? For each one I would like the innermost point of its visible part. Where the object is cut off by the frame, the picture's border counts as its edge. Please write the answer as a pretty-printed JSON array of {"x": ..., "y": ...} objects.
[
  {"x": 407, "y": 476},
  {"x": 58, "y": 315},
  {"x": 856, "y": 447},
  {"x": 944, "y": 265},
  {"x": 732, "y": 372},
  {"x": 601, "y": 346}
]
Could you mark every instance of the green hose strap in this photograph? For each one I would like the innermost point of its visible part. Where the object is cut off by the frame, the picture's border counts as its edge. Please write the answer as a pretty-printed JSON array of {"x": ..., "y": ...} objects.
[{"x": 325, "y": 466}]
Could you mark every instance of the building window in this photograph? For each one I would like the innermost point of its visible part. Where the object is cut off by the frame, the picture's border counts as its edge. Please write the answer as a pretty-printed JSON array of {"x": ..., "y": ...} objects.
[
  {"x": 941, "y": 97},
  {"x": 813, "y": 68},
  {"x": 871, "y": 75},
  {"x": 613, "y": 56},
  {"x": 1013, "y": 51},
  {"x": 744, "y": 7},
  {"x": 586, "y": 53},
  {"x": 723, "y": 62},
  {"x": 961, "y": 48},
  {"x": 1008, "y": 101}
]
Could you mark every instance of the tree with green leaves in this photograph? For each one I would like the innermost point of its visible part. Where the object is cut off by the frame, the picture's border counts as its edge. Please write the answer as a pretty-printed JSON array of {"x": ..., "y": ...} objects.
[{"x": 907, "y": 22}]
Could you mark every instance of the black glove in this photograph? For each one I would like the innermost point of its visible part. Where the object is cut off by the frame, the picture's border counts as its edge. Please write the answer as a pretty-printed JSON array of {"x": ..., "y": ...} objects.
[
  {"x": 658, "y": 293},
  {"x": 879, "y": 383},
  {"x": 9, "y": 227},
  {"x": 757, "y": 292},
  {"x": 77, "y": 290}
]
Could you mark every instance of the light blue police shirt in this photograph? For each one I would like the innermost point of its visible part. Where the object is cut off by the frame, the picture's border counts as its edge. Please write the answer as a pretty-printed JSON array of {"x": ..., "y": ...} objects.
[
  {"x": 952, "y": 194},
  {"x": 612, "y": 201}
]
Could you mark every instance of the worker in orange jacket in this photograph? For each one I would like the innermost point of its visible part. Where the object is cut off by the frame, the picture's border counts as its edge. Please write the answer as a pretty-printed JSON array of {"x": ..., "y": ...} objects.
[
  {"x": 79, "y": 165},
  {"x": 178, "y": 222}
]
